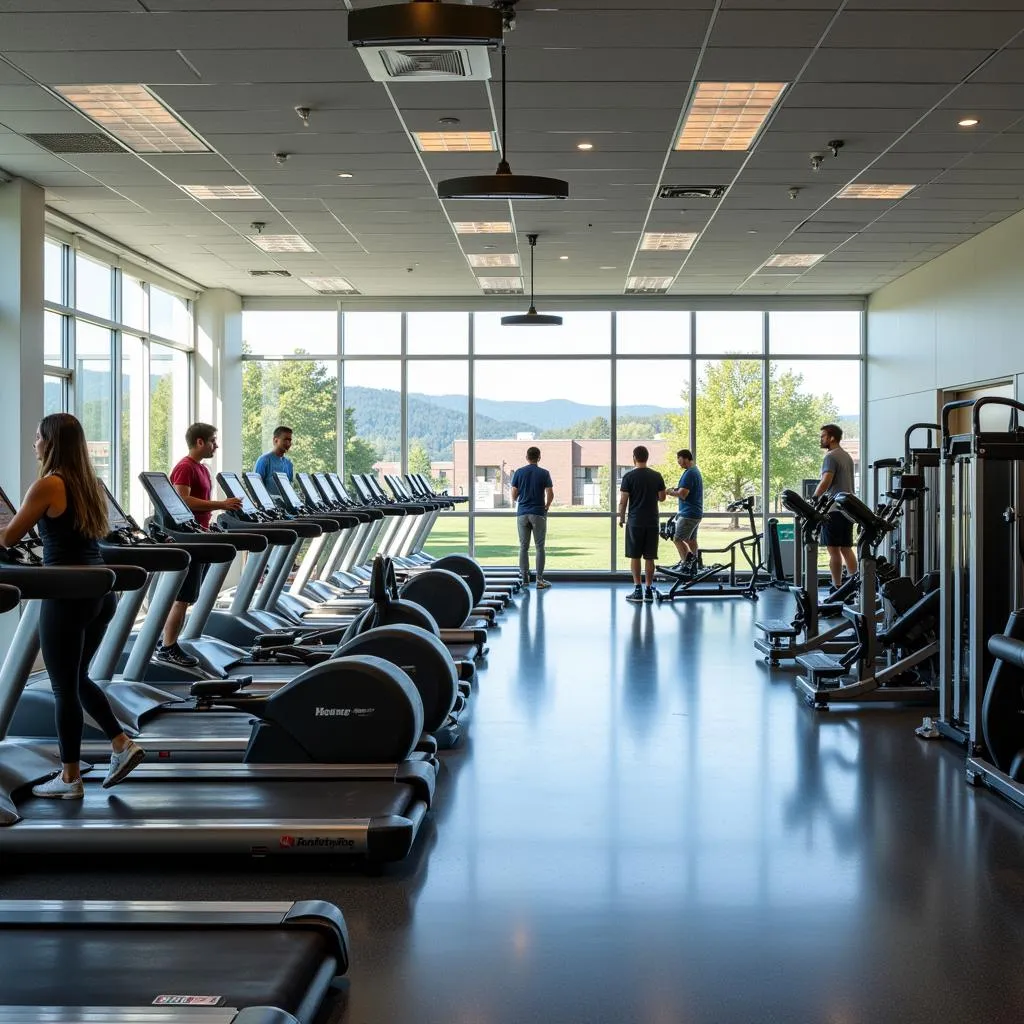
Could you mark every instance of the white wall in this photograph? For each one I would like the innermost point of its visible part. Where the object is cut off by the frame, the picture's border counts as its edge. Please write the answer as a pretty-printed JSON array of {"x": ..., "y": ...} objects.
[{"x": 956, "y": 321}]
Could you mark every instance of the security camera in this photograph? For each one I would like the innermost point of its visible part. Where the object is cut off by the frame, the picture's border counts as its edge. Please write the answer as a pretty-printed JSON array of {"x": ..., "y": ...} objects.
[
  {"x": 304, "y": 113},
  {"x": 794, "y": 192},
  {"x": 281, "y": 158},
  {"x": 816, "y": 161}
]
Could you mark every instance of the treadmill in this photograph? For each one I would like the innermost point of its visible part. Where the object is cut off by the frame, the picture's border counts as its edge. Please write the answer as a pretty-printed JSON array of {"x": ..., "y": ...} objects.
[
  {"x": 278, "y": 807},
  {"x": 135, "y": 962}
]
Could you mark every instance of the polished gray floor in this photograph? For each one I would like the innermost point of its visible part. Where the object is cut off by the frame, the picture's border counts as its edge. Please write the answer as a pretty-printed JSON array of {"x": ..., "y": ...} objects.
[{"x": 648, "y": 826}]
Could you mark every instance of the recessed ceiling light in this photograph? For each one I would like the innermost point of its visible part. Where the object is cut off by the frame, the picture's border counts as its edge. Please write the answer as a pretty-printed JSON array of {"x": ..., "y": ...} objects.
[
  {"x": 498, "y": 259},
  {"x": 448, "y": 120},
  {"x": 483, "y": 227},
  {"x": 584, "y": 145},
  {"x": 563, "y": 257},
  {"x": 662, "y": 240},
  {"x": 609, "y": 268},
  {"x": 500, "y": 284},
  {"x": 968, "y": 122},
  {"x": 281, "y": 243},
  {"x": 455, "y": 142},
  {"x": 330, "y": 285},
  {"x": 648, "y": 284},
  {"x": 221, "y": 191},
  {"x": 794, "y": 259},
  {"x": 344, "y": 174},
  {"x": 726, "y": 116},
  {"x": 135, "y": 116},
  {"x": 751, "y": 232},
  {"x": 874, "y": 191}
]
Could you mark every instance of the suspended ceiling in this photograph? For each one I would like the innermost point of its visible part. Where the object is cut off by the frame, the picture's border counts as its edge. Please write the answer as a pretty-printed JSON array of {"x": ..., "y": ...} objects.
[{"x": 890, "y": 78}]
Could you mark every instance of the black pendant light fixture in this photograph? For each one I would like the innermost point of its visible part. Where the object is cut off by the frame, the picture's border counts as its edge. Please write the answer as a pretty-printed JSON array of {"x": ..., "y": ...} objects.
[
  {"x": 531, "y": 318},
  {"x": 503, "y": 184}
]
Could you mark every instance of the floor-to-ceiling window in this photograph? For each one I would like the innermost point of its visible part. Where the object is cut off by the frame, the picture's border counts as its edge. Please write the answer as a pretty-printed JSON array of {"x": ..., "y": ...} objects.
[
  {"x": 117, "y": 349},
  {"x": 456, "y": 396}
]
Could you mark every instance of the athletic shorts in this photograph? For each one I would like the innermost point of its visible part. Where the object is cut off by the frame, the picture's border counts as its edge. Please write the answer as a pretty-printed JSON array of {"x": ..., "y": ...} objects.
[
  {"x": 837, "y": 532},
  {"x": 686, "y": 528},
  {"x": 192, "y": 583},
  {"x": 641, "y": 541}
]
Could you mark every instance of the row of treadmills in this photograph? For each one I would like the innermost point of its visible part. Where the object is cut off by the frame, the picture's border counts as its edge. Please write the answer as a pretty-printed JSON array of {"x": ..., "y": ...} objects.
[{"x": 331, "y": 674}]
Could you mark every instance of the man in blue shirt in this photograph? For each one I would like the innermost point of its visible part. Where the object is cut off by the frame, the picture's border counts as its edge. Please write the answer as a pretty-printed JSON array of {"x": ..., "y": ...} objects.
[
  {"x": 690, "y": 492},
  {"x": 533, "y": 490},
  {"x": 276, "y": 460}
]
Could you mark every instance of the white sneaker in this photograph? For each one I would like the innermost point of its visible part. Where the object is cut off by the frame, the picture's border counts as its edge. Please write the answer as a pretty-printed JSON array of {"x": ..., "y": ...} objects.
[
  {"x": 122, "y": 764},
  {"x": 57, "y": 789}
]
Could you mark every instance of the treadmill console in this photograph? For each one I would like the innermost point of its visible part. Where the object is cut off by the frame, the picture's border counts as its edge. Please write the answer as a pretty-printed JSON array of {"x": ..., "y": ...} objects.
[
  {"x": 123, "y": 529},
  {"x": 291, "y": 498},
  {"x": 326, "y": 489},
  {"x": 363, "y": 487},
  {"x": 311, "y": 493},
  {"x": 259, "y": 492},
  {"x": 28, "y": 551},
  {"x": 340, "y": 488},
  {"x": 232, "y": 487},
  {"x": 167, "y": 501}
]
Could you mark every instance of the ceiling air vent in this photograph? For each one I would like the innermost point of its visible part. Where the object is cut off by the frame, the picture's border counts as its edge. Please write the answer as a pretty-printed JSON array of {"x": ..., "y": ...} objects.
[
  {"x": 691, "y": 192},
  {"x": 427, "y": 64},
  {"x": 269, "y": 273},
  {"x": 77, "y": 142}
]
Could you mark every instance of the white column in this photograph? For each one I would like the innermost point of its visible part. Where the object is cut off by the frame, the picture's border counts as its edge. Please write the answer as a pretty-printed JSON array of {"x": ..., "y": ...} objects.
[
  {"x": 22, "y": 233},
  {"x": 219, "y": 371}
]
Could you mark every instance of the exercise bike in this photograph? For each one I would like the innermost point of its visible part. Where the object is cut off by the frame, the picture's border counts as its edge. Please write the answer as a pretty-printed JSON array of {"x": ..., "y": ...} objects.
[{"x": 721, "y": 579}]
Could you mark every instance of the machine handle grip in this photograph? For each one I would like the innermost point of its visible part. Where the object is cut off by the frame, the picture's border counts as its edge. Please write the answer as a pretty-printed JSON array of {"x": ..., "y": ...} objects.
[
  {"x": 949, "y": 407},
  {"x": 910, "y": 431},
  {"x": 1009, "y": 403}
]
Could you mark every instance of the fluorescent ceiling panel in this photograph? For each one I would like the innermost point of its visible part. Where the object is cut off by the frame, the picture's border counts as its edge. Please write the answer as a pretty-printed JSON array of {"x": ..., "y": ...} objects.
[
  {"x": 726, "y": 116},
  {"x": 221, "y": 191},
  {"x": 498, "y": 259},
  {"x": 135, "y": 116},
  {"x": 648, "y": 284},
  {"x": 794, "y": 259},
  {"x": 660, "y": 241},
  {"x": 455, "y": 142},
  {"x": 483, "y": 227},
  {"x": 500, "y": 284},
  {"x": 330, "y": 285},
  {"x": 874, "y": 191},
  {"x": 281, "y": 243}
]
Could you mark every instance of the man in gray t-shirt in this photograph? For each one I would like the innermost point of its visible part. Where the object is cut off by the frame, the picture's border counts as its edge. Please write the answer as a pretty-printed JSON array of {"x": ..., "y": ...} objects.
[{"x": 836, "y": 478}]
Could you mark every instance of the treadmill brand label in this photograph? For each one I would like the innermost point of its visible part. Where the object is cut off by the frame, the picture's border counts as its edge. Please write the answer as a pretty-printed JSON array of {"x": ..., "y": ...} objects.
[
  {"x": 322, "y": 712},
  {"x": 188, "y": 1001},
  {"x": 315, "y": 843}
]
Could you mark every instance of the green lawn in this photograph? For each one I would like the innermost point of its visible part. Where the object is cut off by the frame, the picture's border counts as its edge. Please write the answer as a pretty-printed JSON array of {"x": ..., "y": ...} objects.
[{"x": 573, "y": 543}]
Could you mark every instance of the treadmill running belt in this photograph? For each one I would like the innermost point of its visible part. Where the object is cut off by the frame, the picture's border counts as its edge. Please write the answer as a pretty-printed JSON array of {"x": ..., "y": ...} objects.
[
  {"x": 218, "y": 801},
  {"x": 107, "y": 967}
]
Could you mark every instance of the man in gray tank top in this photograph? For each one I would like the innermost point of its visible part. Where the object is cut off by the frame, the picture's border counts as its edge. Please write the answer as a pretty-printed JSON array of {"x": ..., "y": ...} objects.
[{"x": 836, "y": 478}]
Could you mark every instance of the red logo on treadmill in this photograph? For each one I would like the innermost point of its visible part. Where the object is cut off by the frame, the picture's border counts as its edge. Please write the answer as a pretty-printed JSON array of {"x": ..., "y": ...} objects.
[{"x": 286, "y": 842}]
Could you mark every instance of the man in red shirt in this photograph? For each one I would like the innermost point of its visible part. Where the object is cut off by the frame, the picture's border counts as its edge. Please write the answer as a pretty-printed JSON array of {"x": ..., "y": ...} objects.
[{"x": 192, "y": 481}]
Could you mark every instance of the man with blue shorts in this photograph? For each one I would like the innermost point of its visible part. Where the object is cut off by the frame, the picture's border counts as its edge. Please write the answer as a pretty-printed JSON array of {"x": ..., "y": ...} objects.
[
  {"x": 690, "y": 493},
  {"x": 534, "y": 491}
]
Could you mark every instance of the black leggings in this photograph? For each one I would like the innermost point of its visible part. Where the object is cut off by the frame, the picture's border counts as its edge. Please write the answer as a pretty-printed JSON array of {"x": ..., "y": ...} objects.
[{"x": 70, "y": 632}]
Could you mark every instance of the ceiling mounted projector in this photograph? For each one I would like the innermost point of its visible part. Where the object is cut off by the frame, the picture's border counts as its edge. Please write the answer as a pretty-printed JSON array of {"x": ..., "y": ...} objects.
[
  {"x": 425, "y": 23},
  {"x": 531, "y": 318}
]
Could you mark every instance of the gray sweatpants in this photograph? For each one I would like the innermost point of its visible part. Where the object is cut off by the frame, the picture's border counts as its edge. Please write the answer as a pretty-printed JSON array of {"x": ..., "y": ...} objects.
[{"x": 538, "y": 527}]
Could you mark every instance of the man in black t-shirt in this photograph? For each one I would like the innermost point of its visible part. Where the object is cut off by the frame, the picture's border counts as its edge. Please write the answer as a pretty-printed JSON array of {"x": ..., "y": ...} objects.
[{"x": 641, "y": 490}]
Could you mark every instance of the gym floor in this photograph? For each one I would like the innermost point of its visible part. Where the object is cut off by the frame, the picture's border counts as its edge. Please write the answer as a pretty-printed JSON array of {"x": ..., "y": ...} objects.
[{"x": 648, "y": 826}]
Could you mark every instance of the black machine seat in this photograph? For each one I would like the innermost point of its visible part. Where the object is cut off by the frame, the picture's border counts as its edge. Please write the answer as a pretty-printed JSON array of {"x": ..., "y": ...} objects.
[
  {"x": 800, "y": 506},
  {"x": 822, "y": 666},
  {"x": 872, "y": 524},
  {"x": 919, "y": 616},
  {"x": 250, "y": 955},
  {"x": 777, "y": 627}
]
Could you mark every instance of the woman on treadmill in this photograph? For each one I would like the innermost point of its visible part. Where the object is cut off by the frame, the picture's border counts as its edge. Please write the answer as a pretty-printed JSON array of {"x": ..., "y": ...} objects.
[{"x": 70, "y": 512}]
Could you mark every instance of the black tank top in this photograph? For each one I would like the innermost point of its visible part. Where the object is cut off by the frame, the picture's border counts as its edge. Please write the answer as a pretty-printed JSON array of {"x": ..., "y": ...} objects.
[{"x": 63, "y": 544}]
